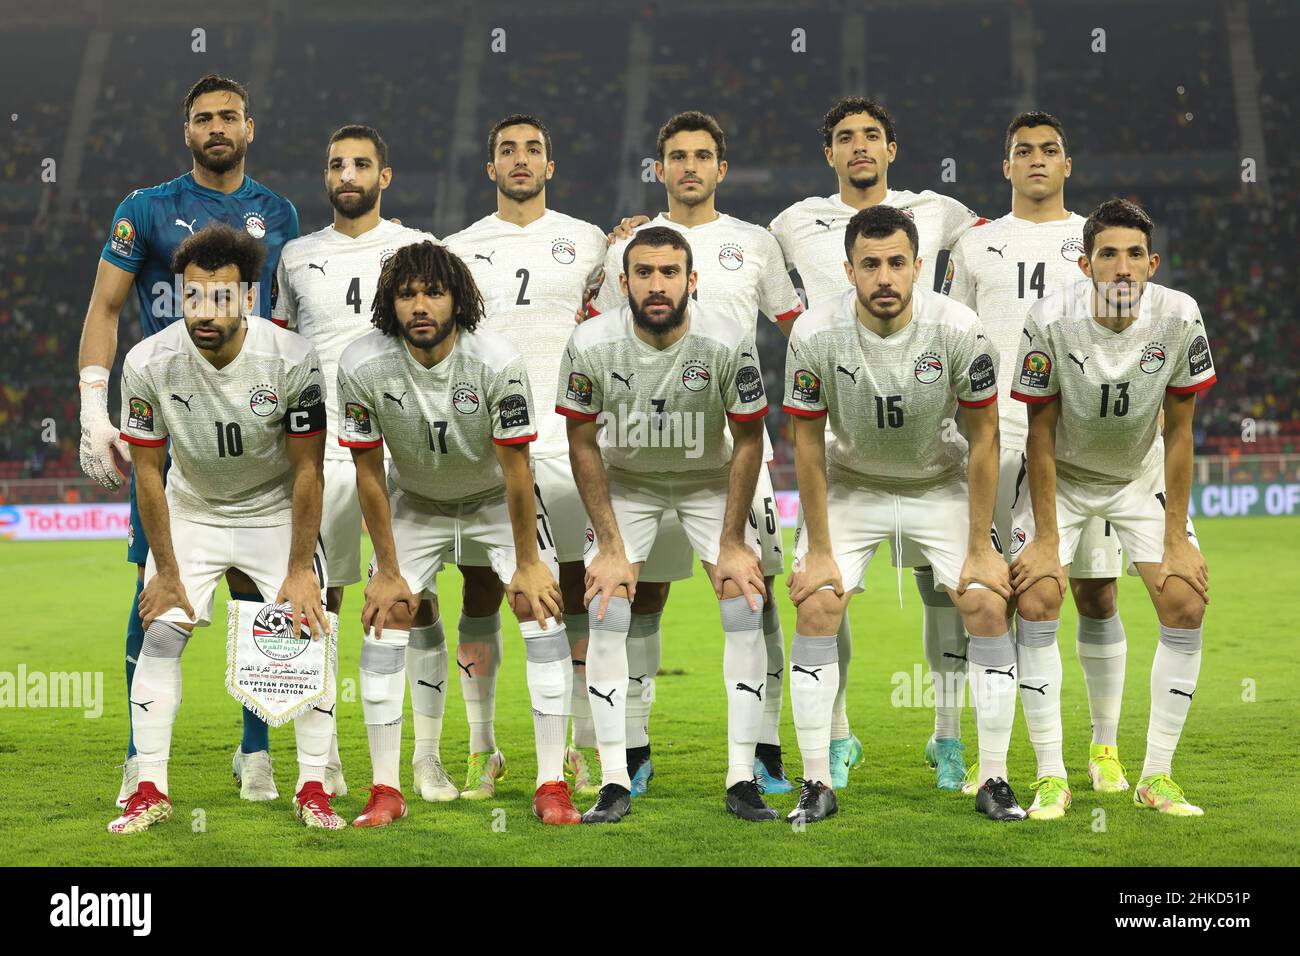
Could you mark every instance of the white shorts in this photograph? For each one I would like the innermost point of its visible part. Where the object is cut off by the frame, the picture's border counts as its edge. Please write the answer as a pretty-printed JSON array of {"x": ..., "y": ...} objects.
[
  {"x": 641, "y": 509},
  {"x": 563, "y": 517},
  {"x": 204, "y": 552},
  {"x": 1135, "y": 513},
  {"x": 422, "y": 535},
  {"x": 340, "y": 524},
  {"x": 670, "y": 559},
  {"x": 934, "y": 524}
]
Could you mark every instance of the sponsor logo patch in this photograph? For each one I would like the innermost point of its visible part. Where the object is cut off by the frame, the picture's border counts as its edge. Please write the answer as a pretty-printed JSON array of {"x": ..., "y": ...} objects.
[
  {"x": 514, "y": 411},
  {"x": 807, "y": 387},
  {"x": 982, "y": 373},
  {"x": 1035, "y": 370},
  {"x": 356, "y": 419},
  {"x": 123, "y": 239},
  {"x": 140, "y": 415},
  {"x": 311, "y": 395},
  {"x": 1198, "y": 355},
  {"x": 1153, "y": 358},
  {"x": 579, "y": 389},
  {"x": 749, "y": 383},
  {"x": 929, "y": 368}
]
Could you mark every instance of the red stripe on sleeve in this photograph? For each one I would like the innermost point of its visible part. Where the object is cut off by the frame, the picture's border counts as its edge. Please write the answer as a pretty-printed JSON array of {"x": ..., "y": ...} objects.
[
  {"x": 980, "y": 404},
  {"x": 747, "y": 416},
  {"x": 522, "y": 439},
  {"x": 147, "y": 442},
  {"x": 1034, "y": 399},
  {"x": 1191, "y": 389},
  {"x": 570, "y": 413},
  {"x": 802, "y": 412},
  {"x": 360, "y": 444}
]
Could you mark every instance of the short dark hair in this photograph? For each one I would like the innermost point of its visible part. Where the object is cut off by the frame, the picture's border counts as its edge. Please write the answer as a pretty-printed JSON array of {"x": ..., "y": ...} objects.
[
  {"x": 1116, "y": 213},
  {"x": 438, "y": 268},
  {"x": 657, "y": 237},
  {"x": 217, "y": 245},
  {"x": 213, "y": 83},
  {"x": 878, "y": 222},
  {"x": 1035, "y": 118},
  {"x": 692, "y": 121},
  {"x": 849, "y": 105},
  {"x": 357, "y": 131},
  {"x": 518, "y": 119}
]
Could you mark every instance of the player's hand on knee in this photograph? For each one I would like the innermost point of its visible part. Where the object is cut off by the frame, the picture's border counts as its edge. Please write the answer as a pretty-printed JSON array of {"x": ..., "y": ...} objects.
[
  {"x": 986, "y": 566},
  {"x": 535, "y": 587},
  {"x": 605, "y": 575},
  {"x": 738, "y": 563},
  {"x": 814, "y": 571},
  {"x": 1039, "y": 560},
  {"x": 160, "y": 595},
  {"x": 1183, "y": 560},
  {"x": 301, "y": 591},
  {"x": 386, "y": 590}
]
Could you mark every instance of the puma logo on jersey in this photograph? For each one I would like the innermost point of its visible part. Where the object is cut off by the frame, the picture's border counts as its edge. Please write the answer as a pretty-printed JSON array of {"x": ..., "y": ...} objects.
[
  {"x": 1079, "y": 362},
  {"x": 748, "y": 355},
  {"x": 998, "y": 251},
  {"x": 486, "y": 258},
  {"x": 437, "y": 686},
  {"x": 188, "y": 225},
  {"x": 509, "y": 381},
  {"x": 1029, "y": 335},
  {"x": 796, "y": 669},
  {"x": 756, "y": 691},
  {"x": 607, "y": 698},
  {"x": 626, "y": 381},
  {"x": 393, "y": 398},
  {"x": 183, "y": 401},
  {"x": 827, "y": 223},
  {"x": 321, "y": 267},
  {"x": 853, "y": 376}
]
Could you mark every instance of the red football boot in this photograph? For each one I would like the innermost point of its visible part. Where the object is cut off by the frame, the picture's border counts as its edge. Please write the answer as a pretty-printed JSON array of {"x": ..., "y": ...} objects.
[
  {"x": 553, "y": 804},
  {"x": 384, "y": 806},
  {"x": 312, "y": 807}
]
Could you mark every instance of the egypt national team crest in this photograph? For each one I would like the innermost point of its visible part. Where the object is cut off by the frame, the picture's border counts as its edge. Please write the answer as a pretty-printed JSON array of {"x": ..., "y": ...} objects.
[
  {"x": 464, "y": 399},
  {"x": 123, "y": 237},
  {"x": 263, "y": 402},
  {"x": 1071, "y": 249},
  {"x": 255, "y": 226},
  {"x": 1036, "y": 370},
  {"x": 273, "y": 633},
  {"x": 563, "y": 251},
  {"x": 1017, "y": 540},
  {"x": 695, "y": 376},
  {"x": 590, "y": 541},
  {"x": 929, "y": 368},
  {"x": 731, "y": 257},
  {"x": 1153, "y": 358},
  {"x": 141, "y": 415},
  {"x": 385, "y": 256}
]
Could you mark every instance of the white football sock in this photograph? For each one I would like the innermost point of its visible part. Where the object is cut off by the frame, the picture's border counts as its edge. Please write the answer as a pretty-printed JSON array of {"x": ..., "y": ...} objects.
[
  {"x": 1103, "y": 654},
  {"x": 744, "y": 658},
  {"x": 478, "y": 658},
  {"x": 642, "y": 636},
  {"x": 1174, "y": 672},
  {"x": 311, "y": 731},
  {"x": 992, "y": 676},
  {"x": 383, "y": 690},
  {"x": 584, "y": 731},
  {"x": 1038, "y": 660},
  {"x": 334, "y": 759},
  {"x": 944, "y": 639},
  {"x": 156, "y": 699},
  {"x": 814, "y": 681},
  {"x": 607, "y": 685},
  {"x": 426, "y": 675},
  {"x": 549, "y": 669},
  {"x": 774, "y": 644},
  {"x": 844, "y": 648}
]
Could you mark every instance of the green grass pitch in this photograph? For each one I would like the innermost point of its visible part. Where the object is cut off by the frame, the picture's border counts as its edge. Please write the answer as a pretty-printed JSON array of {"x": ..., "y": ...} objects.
[{"x": 59, "y": 776}]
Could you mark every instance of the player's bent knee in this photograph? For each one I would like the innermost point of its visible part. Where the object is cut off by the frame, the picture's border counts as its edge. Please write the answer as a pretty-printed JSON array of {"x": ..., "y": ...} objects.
[
  {"x": 820, "y": 613},
  {"x": 984, "y": 612},
  {"x": 1095, "y": 598},
  {"x": 1042, "y": 602},
  {"x": 651, "y": 597},
  {"x": 483, "y": 592},
  {"x": 1179, "y": 605},
  {"x": 427, "y": 613},
  {"x": 165, "y": 639},
  {"x": 334, "y": 598}
]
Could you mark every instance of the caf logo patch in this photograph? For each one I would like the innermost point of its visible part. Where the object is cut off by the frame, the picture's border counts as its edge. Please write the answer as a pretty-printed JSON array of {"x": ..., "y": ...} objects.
[
  {"x": 140, "y": 415},
  {"x": 263, "y": 401},
  {"x": 579, "y": 389},
  {"x": 1198, "y": 355},
  {"x": 1071, "y": 249},
  {"x": 273, "y": 633},
  {"x": 807, "y": 387},
  {"x": 255, "y": 226},
  {"x": 1153, "y": 358},
  {"x": 563, "y": 251},
  {"x": 356, "y": 419},
  {"x": 695, "y": 376},
  {"x": 929, "y": 368},
  {"x": 730, "y": 257},
  {"x": 123, "y": 240},
  {"x": 464, "y": 399},
  {"x": 514, "y": 411},
  {"x": 1036, "y": 370},
  {"x": 749, "y": 383}
]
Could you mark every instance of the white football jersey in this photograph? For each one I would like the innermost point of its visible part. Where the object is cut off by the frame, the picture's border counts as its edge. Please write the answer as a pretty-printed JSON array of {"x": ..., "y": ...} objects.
[
  {"x": 325, "y": 286},
  {"x": 533, "y": 279},
  {"x": 440, "y": 424},
  {"x": 1002, "y": 268},
  {"x": 811, "y": 234},
  {"x": 227, "y": 427},
  {"x": 891, "y": 402},
  {"x": 1111, "y": 385},
  {"x": 663, "y": 411}
]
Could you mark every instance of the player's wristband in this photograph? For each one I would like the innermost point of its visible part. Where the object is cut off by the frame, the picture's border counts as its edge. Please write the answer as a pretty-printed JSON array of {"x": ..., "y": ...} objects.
[{"x": 94, "y": 375}]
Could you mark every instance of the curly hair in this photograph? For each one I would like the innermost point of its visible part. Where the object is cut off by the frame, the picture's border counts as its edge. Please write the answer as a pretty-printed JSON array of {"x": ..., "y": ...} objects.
[
  {"x": 851, "y": 105},
  {"x": 878, "y": 222},
  {"x": 218, "y": 245},
  {"x": 438, "y": 268}
]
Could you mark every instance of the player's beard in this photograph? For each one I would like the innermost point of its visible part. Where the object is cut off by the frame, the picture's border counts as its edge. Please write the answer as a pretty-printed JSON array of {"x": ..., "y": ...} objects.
[
  {"x": 871, "y": 306},
  {"x": 219, "y": 164},
  {"x": 863, "y": 180},
  {"x": 355, "y": 205},
  {"x": 428, "y": 338},
  {"x": 656, "y": 326},
  {"x": 519, "y": 192},
  {"x": 223, "y": 335}
]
